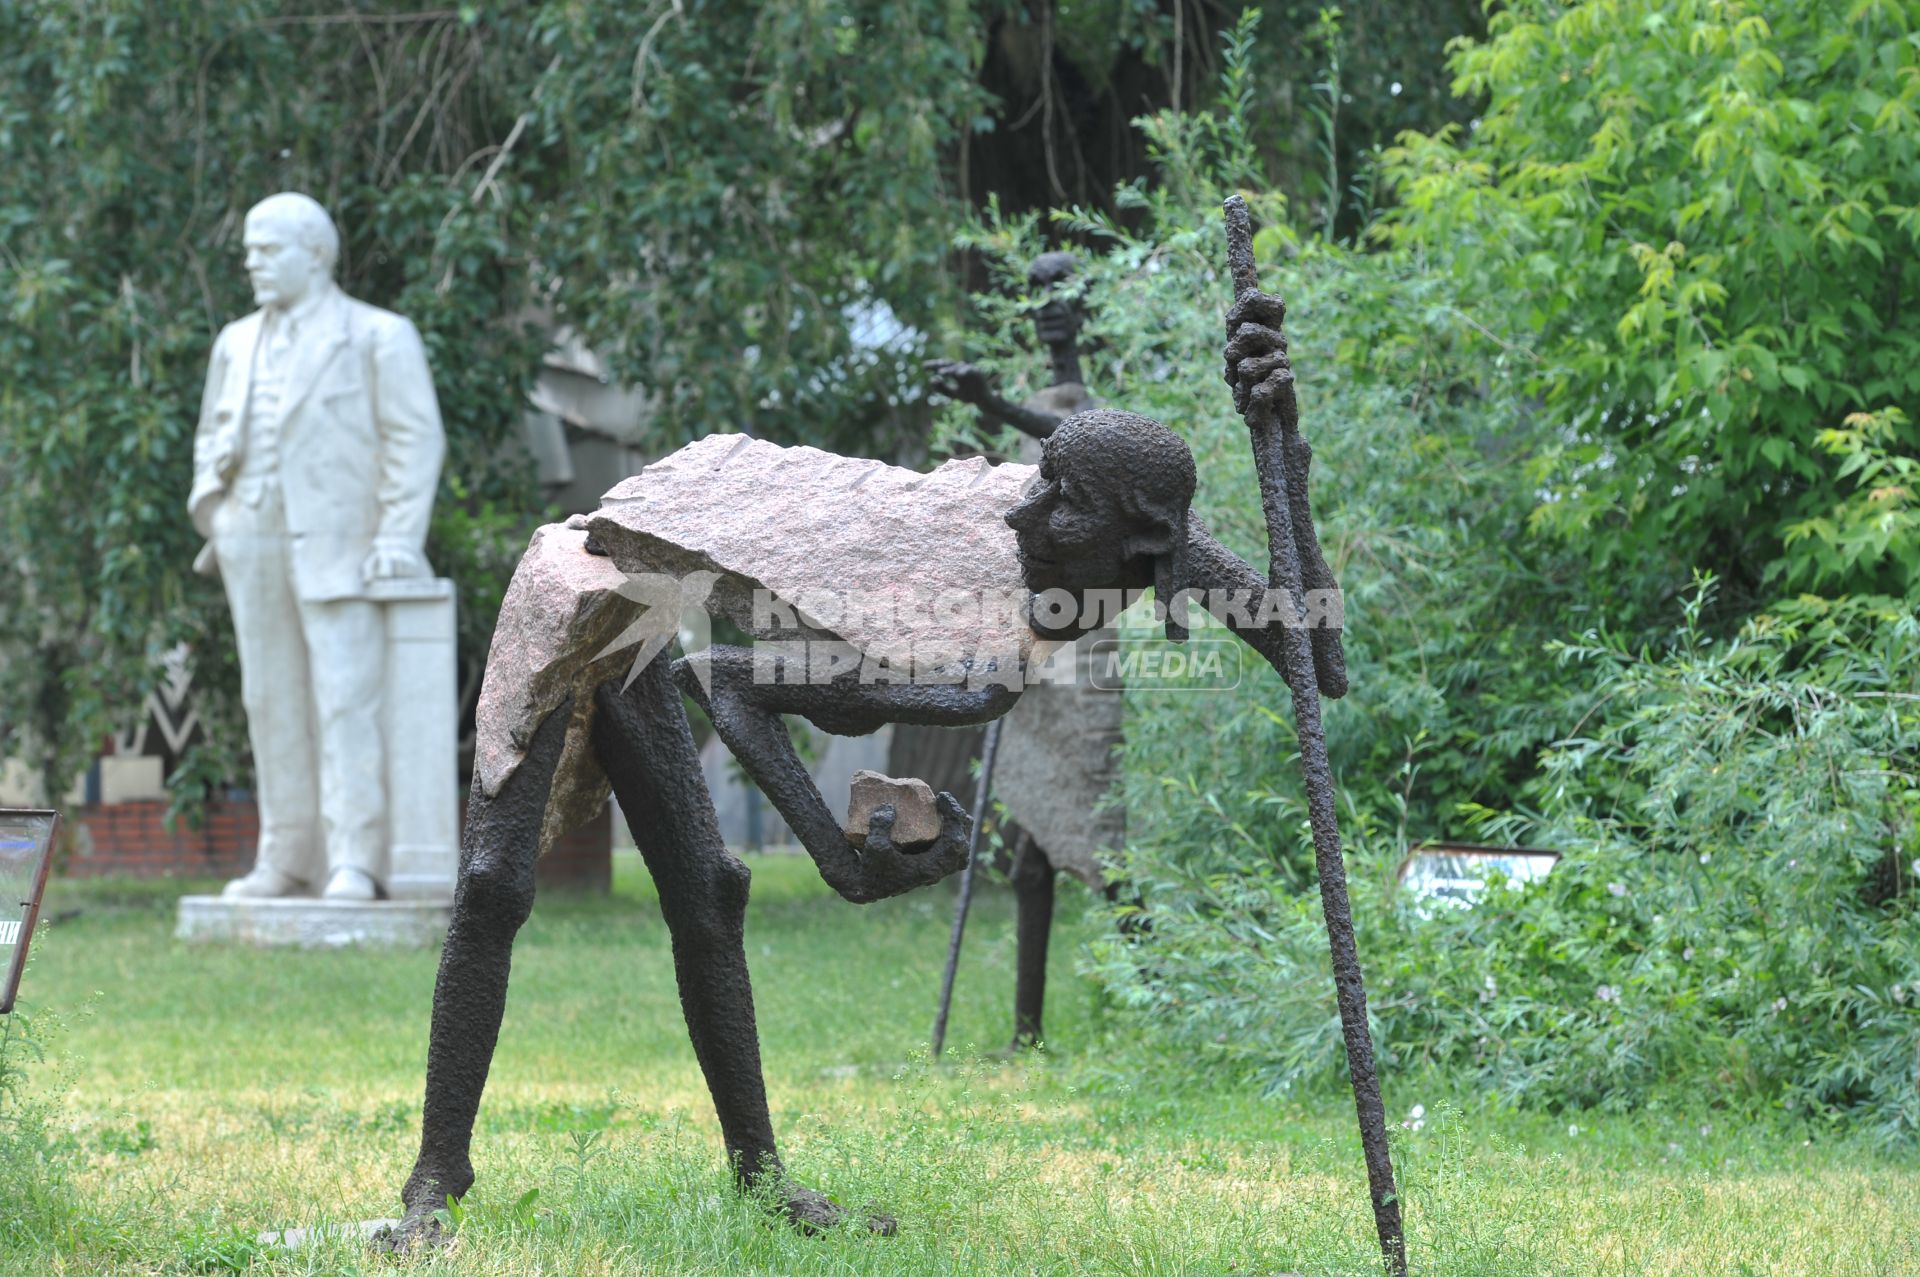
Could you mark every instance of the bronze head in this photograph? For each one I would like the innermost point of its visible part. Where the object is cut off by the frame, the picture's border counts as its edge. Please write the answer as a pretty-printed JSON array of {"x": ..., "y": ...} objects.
[
  {"x": 1056, "y": 321},
  {"x": 1108, "y": 509}
]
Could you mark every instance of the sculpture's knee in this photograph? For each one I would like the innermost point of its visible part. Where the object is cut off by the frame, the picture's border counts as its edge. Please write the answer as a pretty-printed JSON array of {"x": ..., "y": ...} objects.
[
  {"x": 498, "y": 888},
  {"x": 714, "y": 911},
  {"x": 732, "y": 880},
  {"x": 502, "y": 837}
]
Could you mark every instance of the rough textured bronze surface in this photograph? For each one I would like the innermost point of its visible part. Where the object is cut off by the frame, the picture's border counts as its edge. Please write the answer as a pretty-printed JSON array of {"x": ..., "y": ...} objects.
[
  {"x": 492, "y": 899},
  {"x": 1107, "y": 510},
  {"x": 1312, "y": 663}
]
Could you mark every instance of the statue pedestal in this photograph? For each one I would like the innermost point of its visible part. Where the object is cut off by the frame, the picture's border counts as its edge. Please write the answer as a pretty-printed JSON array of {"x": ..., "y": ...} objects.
[
  {"x": 309, "y": 923},
  {"x": 421, "y": 718}
]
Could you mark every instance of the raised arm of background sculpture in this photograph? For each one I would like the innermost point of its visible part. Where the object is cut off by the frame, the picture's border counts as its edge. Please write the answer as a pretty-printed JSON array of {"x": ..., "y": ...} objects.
[
  {"x": 872, "y": 594},
  {"x": 1056, "y": 322}
]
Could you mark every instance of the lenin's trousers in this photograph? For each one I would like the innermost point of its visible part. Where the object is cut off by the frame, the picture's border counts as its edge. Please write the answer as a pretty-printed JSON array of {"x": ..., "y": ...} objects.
[{"x": 311, "y": 676}]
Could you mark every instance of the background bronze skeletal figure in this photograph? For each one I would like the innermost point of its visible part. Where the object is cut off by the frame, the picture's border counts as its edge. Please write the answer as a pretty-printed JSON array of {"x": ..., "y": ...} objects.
[{"x": 1058, "y": 761}]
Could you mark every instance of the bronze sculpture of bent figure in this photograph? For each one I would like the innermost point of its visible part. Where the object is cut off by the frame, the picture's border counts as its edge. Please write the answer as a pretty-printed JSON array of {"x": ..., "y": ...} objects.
[
  {"x": 1058, "y": 760},
  {"x": 562, "y": 718}
]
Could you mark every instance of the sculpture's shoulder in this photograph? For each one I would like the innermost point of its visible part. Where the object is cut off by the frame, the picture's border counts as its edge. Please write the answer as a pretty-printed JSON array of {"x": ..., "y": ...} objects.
[
  {"x": 376, "y": 324},
  {"x": 234, "y": 331}
]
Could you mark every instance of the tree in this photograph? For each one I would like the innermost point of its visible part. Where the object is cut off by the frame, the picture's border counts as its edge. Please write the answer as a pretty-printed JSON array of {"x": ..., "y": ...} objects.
[
  {"x": 1691, "y": 224},
  {"x": 137, "y": 136},
  {"x": 747, "y": 210}
]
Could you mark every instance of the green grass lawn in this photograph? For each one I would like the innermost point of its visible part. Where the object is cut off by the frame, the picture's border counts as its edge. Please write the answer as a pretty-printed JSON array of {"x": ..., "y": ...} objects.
[{"x": 210, "y": 1093}]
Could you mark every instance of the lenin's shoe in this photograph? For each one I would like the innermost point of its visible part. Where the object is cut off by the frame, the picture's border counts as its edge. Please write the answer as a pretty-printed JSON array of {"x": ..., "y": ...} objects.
[
  {"x": 349, "y": 883},
  {"x": 264, "y": 881}
]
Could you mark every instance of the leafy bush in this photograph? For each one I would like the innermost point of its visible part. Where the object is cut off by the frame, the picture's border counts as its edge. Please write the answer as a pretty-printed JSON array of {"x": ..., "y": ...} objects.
[
  {"x": 745, "y": 209},
  {"x": 1418, "y": 441},
  {"x": 1694, "y": 222},
  {"x": 137, "y": 137},
  {"x": 1733, "y": 923}
]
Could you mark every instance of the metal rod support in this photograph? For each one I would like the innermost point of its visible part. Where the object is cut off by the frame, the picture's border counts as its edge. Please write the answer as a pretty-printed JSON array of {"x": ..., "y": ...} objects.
[{"x": 989, "y": 746}]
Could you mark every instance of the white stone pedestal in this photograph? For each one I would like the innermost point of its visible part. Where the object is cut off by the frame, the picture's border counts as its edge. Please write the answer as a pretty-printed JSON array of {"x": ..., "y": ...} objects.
[
  {"x": 421, "y": 717},
  {"x": 311, "y": 923}
]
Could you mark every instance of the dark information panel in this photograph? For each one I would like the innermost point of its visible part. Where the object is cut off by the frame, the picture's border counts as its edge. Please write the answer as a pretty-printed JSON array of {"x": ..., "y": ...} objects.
[{"x": 26, "y": 849}]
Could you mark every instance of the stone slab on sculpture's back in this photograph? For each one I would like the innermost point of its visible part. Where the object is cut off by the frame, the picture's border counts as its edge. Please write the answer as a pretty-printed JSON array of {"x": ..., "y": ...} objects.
[
  {"x": 562, "y": 612},
  {"x": 859, "y": 547}
]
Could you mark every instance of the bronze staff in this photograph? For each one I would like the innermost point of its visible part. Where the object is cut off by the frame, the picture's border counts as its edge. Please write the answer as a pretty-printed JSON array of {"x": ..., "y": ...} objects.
[{"x": 1282, "y": 456}]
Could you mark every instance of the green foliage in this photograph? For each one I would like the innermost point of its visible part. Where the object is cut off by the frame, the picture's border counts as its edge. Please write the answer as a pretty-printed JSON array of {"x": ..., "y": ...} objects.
[
  {"x": 36, "y": 1159},
  {"x": 728, "y": 193},
  {"x": 1879, "y": 520},
  {"x": 1336, "y": 82},
  {"x": 716, "y": 199},
  {"x": 1640, "y": 973},
  {"x": 219, "y": 1249},
  {"x": 747, "y": 210},
  {"x": 1417, "y": 439},
  {"x": 1732, "y": 926},
  {"x": 1695, "y": 224}
]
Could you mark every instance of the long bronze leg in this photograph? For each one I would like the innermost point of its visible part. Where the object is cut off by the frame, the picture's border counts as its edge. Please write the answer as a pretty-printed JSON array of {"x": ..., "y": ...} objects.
[{"x": 493, "y": 897}]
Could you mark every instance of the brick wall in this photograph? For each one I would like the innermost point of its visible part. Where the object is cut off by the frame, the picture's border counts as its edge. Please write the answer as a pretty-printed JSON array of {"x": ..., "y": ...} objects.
[{"x": 132, "y": 838}]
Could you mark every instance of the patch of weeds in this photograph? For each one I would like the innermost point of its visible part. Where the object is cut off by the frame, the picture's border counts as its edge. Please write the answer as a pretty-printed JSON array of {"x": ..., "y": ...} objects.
[
  {"x": 522, "y": 1213},
  {"x": 586, "y": 1147},
  {"x": 231, "y": 1249},
  {"x": 1475, "y": 1199},
  {"x": 36, "y": 1165},
  {"x": 131, "y": 1142}
]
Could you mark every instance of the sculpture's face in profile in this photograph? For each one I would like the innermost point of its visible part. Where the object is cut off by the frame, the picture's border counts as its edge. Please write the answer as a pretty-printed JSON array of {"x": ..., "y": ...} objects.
[
  {"x": 1109, "y": 502},
  {"x": 1057, "y": 321},
  {"x": 282, "y": 266},
  {"x": 1067, "y": 531}
]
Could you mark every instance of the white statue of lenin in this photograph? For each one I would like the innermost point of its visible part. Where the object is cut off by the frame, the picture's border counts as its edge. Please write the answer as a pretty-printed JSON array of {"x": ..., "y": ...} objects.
[{"x": 314, "y": 469}]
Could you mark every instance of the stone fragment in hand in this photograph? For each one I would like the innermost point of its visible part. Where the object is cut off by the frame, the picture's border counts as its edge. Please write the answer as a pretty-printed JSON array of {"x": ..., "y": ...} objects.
[{"x": 916, "y": 822}]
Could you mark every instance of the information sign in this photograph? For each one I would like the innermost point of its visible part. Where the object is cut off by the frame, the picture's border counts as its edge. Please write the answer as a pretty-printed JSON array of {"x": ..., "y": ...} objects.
[{"x": 26, "y": 849}]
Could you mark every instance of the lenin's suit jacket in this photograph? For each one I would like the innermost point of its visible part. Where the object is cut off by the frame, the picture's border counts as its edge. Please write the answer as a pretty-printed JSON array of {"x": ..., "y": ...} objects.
[{"x": 360, "y": 441}]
